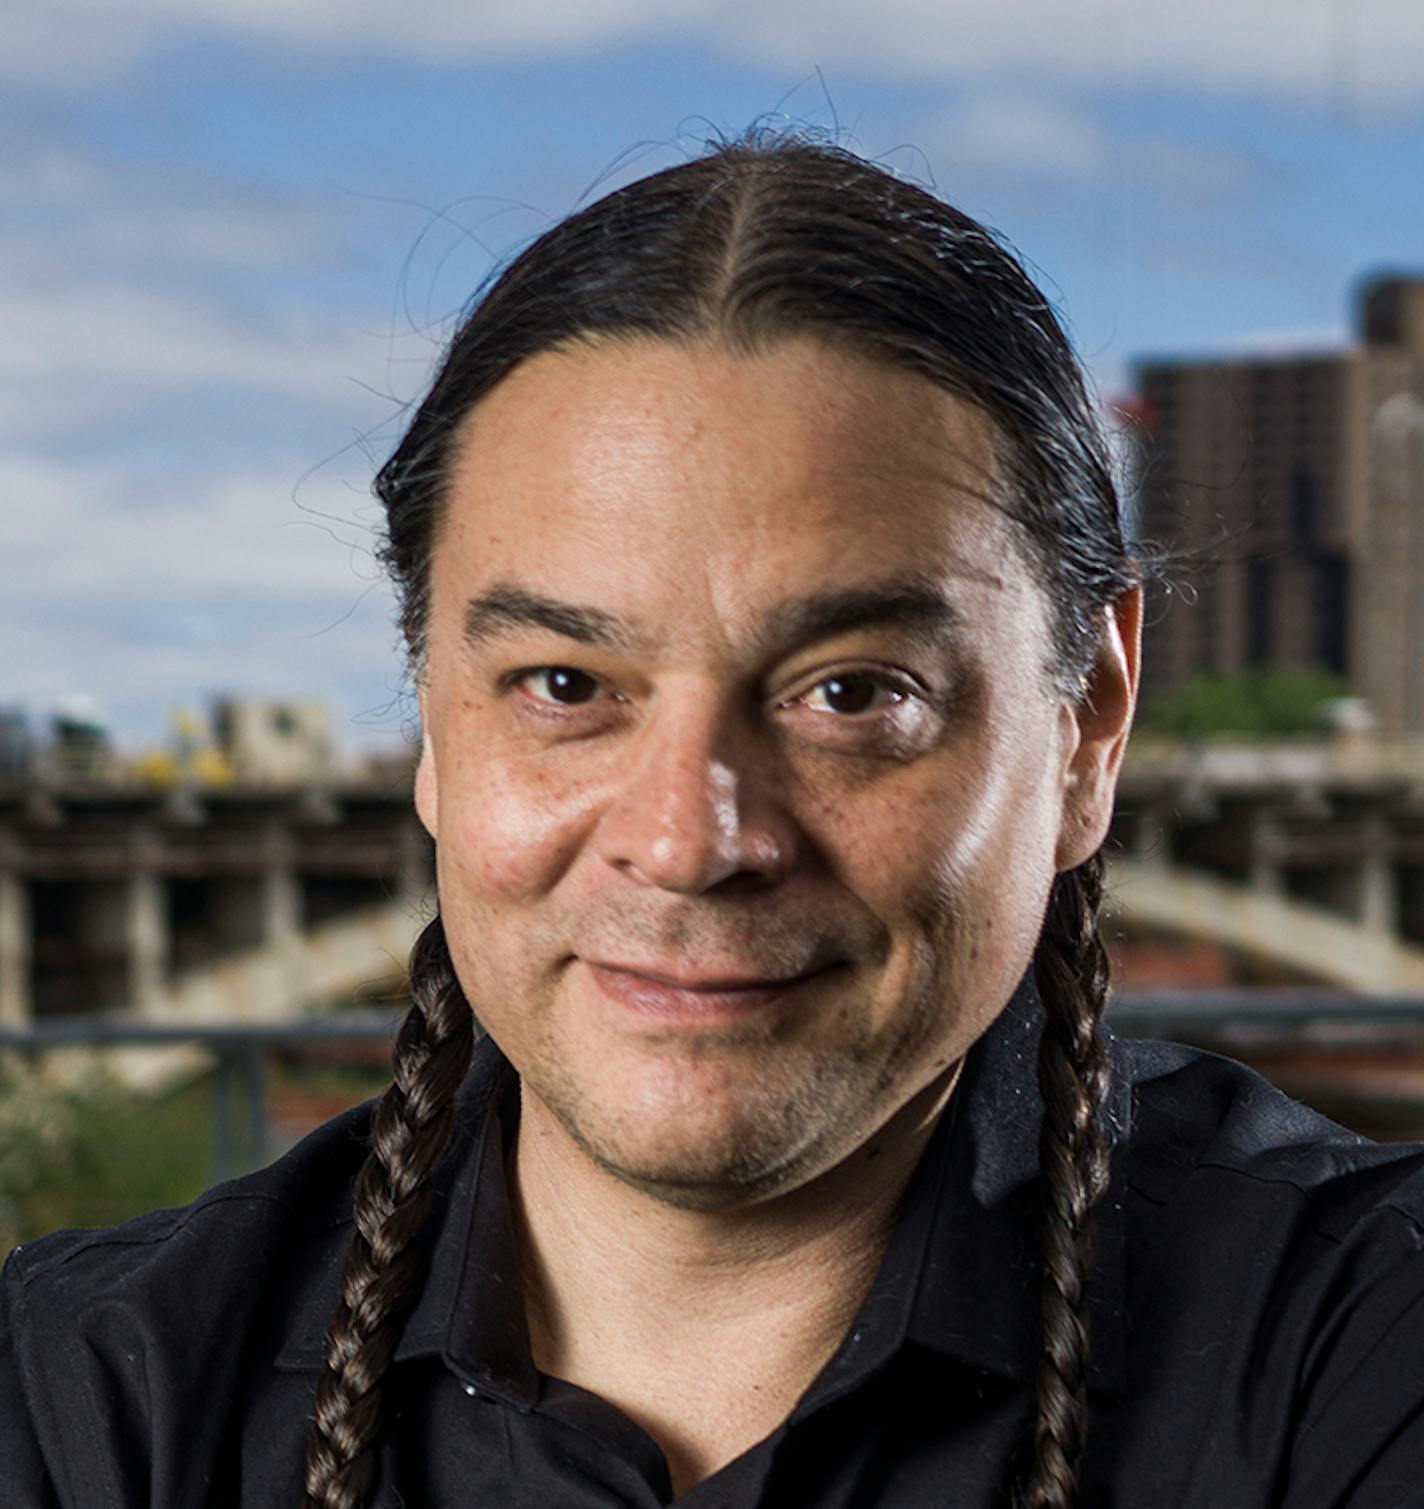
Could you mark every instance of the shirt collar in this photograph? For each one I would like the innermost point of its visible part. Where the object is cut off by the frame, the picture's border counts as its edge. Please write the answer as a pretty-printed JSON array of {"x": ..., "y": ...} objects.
[
  {"x": 977, "y": 1282},
  {"x": 471, "y": 1306}
]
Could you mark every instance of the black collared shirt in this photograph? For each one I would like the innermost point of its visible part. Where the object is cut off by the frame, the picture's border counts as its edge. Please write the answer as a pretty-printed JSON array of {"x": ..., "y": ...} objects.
[{"x": 1257, "y": 1312}]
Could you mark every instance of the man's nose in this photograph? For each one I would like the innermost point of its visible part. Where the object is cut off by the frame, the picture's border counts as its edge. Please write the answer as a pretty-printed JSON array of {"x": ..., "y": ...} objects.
[{"x": 699, "y": 803}]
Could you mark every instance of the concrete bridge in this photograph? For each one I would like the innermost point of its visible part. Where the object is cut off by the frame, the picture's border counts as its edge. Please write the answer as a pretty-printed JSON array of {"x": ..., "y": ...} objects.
[
  {"x": 358, "y": 956},
  {"x": 1304, "y": 860},
  {"x": 230, "y": 905},
  {"x": 1288, "y": 936}
]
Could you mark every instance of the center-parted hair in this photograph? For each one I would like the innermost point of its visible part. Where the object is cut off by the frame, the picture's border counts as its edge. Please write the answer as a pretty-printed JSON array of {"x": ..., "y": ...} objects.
[{"x": 757, "y": 241}]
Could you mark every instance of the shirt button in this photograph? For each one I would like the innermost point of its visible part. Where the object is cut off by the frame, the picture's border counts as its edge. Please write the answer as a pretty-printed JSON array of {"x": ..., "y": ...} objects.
[{"x": 471, "y": 1390}]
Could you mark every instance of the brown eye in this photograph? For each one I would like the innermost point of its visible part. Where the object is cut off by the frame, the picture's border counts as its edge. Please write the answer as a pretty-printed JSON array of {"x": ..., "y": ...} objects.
[
  {"x": 849, "y": 695},
  {"x": 561, "y": 684}
]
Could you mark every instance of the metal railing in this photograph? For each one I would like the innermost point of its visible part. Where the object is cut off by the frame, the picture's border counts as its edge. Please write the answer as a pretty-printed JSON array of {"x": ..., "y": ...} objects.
[
  {"x": 1319, "y": 1020},
  {"x": 1294, "y": 1016},
  {"x": 240, "y": 1052}
]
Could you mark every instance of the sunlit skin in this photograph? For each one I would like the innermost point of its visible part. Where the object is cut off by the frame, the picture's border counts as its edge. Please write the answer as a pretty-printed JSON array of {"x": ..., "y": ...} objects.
[{"x": 749, "y": 778}]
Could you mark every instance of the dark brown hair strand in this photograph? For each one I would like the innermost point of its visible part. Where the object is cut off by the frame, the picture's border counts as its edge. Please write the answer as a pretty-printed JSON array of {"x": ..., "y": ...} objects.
[
  {"x": 1071, "y": 973},
  {"x": 409, "y": 1131}
]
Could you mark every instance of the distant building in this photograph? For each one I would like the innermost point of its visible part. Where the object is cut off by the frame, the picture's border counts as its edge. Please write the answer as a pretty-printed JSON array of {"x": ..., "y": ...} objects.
[
  {"x": 17, "y": 746},
  {"x": 1294, "y": 488},
  {"x": 274, "y": 743},
  {"x": 80, "y": 750}
]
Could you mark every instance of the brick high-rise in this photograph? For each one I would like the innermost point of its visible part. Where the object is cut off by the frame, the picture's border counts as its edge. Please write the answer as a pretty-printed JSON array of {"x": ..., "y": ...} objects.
[{"x": 1294, "y": 488}]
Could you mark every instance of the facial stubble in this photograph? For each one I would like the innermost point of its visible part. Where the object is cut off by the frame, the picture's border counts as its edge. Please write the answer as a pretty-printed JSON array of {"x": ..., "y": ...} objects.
[{"x": 823, "y": 1104}]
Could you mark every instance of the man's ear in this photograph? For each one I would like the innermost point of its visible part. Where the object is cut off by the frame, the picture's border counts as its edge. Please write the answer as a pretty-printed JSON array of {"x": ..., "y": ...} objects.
[
  {"x": 1104, "y": 717},
  {"x": 427, "y": 800}
]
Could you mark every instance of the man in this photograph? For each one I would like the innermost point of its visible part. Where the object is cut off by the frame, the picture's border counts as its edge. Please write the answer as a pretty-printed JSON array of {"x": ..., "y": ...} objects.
[{"x": 776, "y": 644}]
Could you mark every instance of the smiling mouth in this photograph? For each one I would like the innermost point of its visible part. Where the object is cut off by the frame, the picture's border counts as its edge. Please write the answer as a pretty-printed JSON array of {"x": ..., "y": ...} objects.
[{"x": 698, "y": 1000}]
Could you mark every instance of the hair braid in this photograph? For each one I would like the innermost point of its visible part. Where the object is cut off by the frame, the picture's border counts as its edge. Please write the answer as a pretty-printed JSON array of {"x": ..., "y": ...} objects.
[
  {"x": 409, "y": 1131},
  {"x": 1071, "y": 972}
]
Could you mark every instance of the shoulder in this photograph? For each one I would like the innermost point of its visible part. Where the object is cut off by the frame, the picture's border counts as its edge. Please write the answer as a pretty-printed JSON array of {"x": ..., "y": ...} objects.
[
  {"x": 113, "y": 1340},
  {"x": 148, "y": 1354},
  {"x": 1244, "y": 1204},
  {"x": 1271, "y": 1262},
  {"x": 242, "y": 1266},
  {"x": 233, "y": 1232},
  {"x": 1199, "y": 1118},
  {"x": 275, "y": 1238}
]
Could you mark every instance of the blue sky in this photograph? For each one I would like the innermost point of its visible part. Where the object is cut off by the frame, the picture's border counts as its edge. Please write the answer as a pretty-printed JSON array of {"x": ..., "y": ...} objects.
[{"x": 233, "y": 237}]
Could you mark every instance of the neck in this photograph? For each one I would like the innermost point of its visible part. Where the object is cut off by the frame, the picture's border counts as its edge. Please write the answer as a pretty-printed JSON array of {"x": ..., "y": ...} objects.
[{"x": 611, "y": 1274}]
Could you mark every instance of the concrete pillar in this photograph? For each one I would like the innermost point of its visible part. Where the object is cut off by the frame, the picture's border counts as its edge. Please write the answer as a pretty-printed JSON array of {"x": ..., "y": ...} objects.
[
  {"x": 281, "y": 914},
  {"x": 415, "y": 878},
  {"x": 279, "y": 891},
  {"x": 146, "y": 939},
  {"x": 255, "y": 911},
  {"x": 125, "y": 929},
  {"x": 102, "y": 942},
  {"x": 280, "y": 905},
  {"x": 16, "y": 1005},
  {"x": 1378, "y": 891},
  {"x": 1264, "y": 870}
]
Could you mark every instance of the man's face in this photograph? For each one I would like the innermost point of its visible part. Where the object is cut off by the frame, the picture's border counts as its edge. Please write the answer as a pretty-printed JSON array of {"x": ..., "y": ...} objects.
[{"x": 747, "y": 775}]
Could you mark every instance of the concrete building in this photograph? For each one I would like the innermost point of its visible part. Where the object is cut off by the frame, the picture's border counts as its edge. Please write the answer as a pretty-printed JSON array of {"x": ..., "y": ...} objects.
[
  {"x": 17, "y": 745},
  {"x": 1290, "y": 492},
  {"x": 275, "y": 743}
]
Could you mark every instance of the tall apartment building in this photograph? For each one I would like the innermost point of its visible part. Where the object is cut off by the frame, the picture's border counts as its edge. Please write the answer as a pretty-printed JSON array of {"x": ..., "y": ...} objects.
[{"x": 1290, "y": 491}]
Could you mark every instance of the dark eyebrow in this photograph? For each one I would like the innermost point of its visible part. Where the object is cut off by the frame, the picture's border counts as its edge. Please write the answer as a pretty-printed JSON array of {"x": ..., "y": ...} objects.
[
  {"x": 505, "y": 607},
  {"x": 912, "y": 604}
]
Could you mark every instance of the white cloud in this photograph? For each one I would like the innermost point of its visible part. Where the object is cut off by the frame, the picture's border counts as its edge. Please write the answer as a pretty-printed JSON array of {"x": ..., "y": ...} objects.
[
  {"x": 150, "y": 590},
  {"x": 116, "y": 330},
  {"x": 100, "y": 531},
  {"x": 1313, "y": 50},
  {"x": 128, "y": 287},
  {"x": 1307, "y": 49},
  {"x": 174, "y": 363},
  {"x": 78, "y": 357},
  {"x": 1042, "y": 136},
  {"x": 1290, "y": 341},
  {"x": 171, "y": 217},
  {"x": 1006, "y": 131}
]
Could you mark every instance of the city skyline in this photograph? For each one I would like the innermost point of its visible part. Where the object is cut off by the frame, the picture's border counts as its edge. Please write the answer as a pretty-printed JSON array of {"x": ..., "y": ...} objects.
[{"x": 236, "y": 237}]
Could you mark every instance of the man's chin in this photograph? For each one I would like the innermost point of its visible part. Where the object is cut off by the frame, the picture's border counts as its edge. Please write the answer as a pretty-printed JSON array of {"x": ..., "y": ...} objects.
[
  {"x": 732, "y": 1186},
  {"x": 719, "y": 1168}
]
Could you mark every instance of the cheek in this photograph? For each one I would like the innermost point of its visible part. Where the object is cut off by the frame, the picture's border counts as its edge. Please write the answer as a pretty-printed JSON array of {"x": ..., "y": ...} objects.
[
  {"x": 999, "y": 868},
  {"x": 508, "y": 834},
  {"x": 959, "y": 863}
]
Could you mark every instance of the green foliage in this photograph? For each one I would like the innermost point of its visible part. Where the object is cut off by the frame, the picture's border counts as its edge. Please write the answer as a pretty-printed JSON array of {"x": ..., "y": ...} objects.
[
  {"x": 1254, "y": 704},
  {"x": 87, "y": 1150},
  {"x": 37, "y": 1135},
  {"x": 94, "y": 1153}
]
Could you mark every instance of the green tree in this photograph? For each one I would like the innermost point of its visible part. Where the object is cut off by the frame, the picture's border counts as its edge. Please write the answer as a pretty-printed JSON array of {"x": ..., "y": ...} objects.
[
  {"x": 1255, "y": 704},
  {"x": 38, "y": 1129}
]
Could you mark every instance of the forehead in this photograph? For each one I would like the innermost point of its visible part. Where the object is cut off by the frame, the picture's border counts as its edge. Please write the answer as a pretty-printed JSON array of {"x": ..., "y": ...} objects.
[{"x": 686, "y": 484}]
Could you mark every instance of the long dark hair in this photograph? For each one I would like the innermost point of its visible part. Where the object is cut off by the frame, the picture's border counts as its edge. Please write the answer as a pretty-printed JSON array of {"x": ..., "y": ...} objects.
[{"x": 758, "y": 240}]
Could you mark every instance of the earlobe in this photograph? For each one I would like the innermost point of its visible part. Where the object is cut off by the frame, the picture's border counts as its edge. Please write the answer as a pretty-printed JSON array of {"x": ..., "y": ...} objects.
[{"x": 1104, "y": 718}]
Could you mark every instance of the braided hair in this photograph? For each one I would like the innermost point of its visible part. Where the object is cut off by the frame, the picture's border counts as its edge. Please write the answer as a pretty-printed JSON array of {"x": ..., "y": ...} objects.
[
  {"x": 409, "y": 1131},
  {"x": 1071, "y": 973},
  {"x": 761, "y": 239}
]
